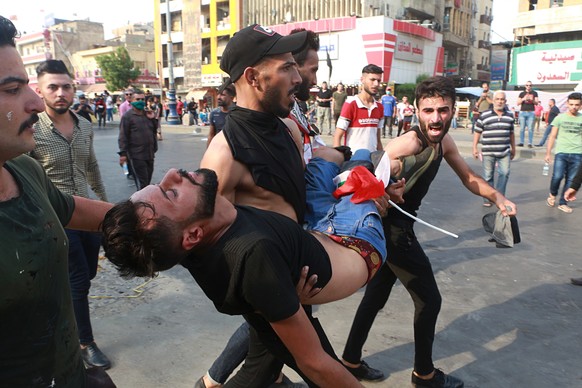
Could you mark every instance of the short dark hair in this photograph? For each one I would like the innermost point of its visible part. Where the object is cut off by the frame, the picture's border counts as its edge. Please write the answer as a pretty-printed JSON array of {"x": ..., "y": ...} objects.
[
  {"x": 228, "y": 87},
  {"x": 52, "y": 66},
  {"x": 575, "y": 96},
  {"x": 8, "y": 32},
  {"x": 436, "y": 87},
  {"x": 311, "y": 43},
  {"x": 140, "y": 249},
  {"x": 372, "y": 69}
]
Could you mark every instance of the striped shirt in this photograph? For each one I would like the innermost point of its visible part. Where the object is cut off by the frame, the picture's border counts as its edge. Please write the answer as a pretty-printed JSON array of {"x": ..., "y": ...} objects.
[
  {"x": 70, "y": 165},
  {"x": 495, "y": 132}
]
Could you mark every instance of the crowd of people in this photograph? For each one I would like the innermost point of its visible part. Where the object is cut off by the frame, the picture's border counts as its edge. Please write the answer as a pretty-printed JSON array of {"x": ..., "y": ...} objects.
[{"x": 261, "y": 226}]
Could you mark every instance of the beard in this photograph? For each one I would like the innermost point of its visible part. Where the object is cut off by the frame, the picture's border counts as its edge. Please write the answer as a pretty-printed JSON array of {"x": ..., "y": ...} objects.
[
  {"x": 61, "y": 109},
  {"x": 271, "y": 102},
  {"x": 303, "y": 90},
  {"x": 209, "y": 185},
  {"x": 428, "y": 129}
]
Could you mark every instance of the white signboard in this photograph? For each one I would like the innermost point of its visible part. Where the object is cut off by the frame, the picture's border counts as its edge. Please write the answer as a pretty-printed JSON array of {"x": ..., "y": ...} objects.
[
  {"x": 329, "y": 43},
  {"x": 211, "y": 79},
  {"x": 547, "y": 67},
  {"x": 409, "y": 49}
]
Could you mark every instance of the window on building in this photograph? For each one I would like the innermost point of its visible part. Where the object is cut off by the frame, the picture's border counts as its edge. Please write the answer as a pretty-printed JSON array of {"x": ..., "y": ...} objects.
[
  {"x": 205, "y": 51},
  {"x": 221, "y": 45},
  {"x": 557, "y": 3}
]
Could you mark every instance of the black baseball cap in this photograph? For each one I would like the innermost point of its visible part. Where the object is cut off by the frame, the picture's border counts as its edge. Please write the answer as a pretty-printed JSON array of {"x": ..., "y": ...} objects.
[{"x": 251, "y": 44}]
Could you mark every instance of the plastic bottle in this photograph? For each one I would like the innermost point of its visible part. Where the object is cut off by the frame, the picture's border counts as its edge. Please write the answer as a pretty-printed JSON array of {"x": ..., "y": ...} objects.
[
  {"x": 546, "y": 169},
  {"x": 126, "y": 170}
]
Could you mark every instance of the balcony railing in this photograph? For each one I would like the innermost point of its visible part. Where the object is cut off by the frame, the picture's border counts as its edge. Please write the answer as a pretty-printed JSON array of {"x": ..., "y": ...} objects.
[
  {"x": 483, "y": 67},
  {"x": 485, "y": 19}
]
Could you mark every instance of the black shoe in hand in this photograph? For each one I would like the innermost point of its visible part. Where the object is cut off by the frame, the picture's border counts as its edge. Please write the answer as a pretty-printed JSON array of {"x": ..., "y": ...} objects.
[
  {"x": 439, "y": 380},
  {"x": 93, "y": 356},
  {"x": 365, "y": 372}
]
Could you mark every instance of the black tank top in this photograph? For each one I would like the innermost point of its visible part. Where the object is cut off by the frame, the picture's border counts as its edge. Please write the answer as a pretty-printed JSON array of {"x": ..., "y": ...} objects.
[{"x": 413, "y": 199}]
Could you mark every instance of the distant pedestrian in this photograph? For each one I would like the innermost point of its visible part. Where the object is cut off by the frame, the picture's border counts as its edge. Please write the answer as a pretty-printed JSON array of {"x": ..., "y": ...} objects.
[
  {"x": 482, "y": 104},
  {"x": 217, "y": 118},
  {"x": 137, "y": 141},
  {"x": 527, "y": 99},
  {"x": 192, "y": 112},
  {"x": 109, "y": 104},
  {"x": 552, "y": 113},
  {"x": 567, "y": 127},
  {"x": 126, "y": 104},
  {"x": 362, "y": 118},
  {"x": 324, "y": 98},
  {"x": 538, "y": 113},
  {"x": 495, "y": 129},
  {"x": 389, "y": 104},
  {"x": 180, "y": 108},
  {"x": 338, "y": 99}
]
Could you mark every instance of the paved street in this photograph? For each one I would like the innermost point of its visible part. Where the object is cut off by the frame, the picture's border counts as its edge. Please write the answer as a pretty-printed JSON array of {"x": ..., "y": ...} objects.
[{"x": 509, "y": 318}]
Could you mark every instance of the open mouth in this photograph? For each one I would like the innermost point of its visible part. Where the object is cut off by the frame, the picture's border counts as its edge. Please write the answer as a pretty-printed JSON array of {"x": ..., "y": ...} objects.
[{"x": 435, "y": 130}]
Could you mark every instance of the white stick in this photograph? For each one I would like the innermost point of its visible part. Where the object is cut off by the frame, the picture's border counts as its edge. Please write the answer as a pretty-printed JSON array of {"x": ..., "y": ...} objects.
[{"x": 421, "y": 221}]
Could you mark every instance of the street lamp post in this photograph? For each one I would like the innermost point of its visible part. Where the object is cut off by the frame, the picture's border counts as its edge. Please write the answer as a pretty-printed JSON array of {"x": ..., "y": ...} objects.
[{"x": 173, "y": 118}]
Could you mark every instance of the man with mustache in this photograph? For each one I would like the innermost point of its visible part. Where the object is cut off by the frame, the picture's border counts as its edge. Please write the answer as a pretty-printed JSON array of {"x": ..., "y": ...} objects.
[
  {"x": 361, "y": 120},
  {"x": 258, "y": 162},
  {"x": 64, "y": 147},
  {"x": 406, "y": 259},
  {"x": 40, "y": 345},
  {"x": 247, "y": 261}
]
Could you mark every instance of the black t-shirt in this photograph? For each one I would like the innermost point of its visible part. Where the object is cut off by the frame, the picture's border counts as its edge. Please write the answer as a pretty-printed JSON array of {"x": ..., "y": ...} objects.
[
  {"x": 325, "y": 94},
  {"x": 528, "y": 99},
  {"x": 255, "y": 265},
  {"x": 84, "y": 111}
]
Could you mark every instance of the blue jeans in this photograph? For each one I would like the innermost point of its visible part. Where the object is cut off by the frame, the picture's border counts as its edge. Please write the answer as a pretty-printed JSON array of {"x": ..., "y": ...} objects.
[
  {"x": 83, "y": 256},
  {"x": 502, "y": 171},
  {"x": 565, "y": 166},
  {"x": 546, "y": 134},
  {"x": 526, "y": 119},
  {"x": 109, "y": 114},
  {"x": 340, "y": 217},
  {"x": 232, "y": 356}
]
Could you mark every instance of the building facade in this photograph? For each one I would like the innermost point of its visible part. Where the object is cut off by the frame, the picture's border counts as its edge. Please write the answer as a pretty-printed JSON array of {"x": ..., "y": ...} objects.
[
  {"x": 551, "y": 38},
  {"x": 200, "y": 30},
  {"x": 78, "y": 43}
]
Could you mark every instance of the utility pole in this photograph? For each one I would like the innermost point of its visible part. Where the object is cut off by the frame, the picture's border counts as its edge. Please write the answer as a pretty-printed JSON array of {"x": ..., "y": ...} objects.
[{"x": 173, "y": 118}]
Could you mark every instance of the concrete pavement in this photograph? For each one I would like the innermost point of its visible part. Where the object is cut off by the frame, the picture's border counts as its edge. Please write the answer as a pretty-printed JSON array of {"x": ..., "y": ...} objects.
[{"x": 509, "y": 317}]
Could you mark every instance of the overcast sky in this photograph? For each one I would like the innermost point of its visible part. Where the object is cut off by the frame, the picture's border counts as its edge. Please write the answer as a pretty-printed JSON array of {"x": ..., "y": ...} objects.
[{"x": 116, "y": 13}]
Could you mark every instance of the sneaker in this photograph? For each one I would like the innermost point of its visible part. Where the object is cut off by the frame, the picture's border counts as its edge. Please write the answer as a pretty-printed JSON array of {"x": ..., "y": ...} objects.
[
  {"x": 365, "y": 372},
  {"x": 565, "y": 209},
  {"x": 529, "y": 146},
  {"x": 439, "y": 380},
  {"x": 551, "y": 200},
  {"x": 520, "y": 145}
]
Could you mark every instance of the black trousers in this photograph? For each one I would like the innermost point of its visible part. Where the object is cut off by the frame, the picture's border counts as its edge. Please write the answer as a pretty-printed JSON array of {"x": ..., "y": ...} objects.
[
  {"x": 408, "y": 263},
  {"x": 142, "y": 171},
  {"x": 267, "y": 353}
]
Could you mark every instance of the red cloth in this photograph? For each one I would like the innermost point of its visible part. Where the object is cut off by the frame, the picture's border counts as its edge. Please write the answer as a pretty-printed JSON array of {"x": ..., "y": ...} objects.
[{"x": 363, "y": 184}]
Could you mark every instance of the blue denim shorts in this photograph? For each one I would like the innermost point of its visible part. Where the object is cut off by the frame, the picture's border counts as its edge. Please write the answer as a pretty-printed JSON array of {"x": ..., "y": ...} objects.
[{"x": 339, "y": 217}]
